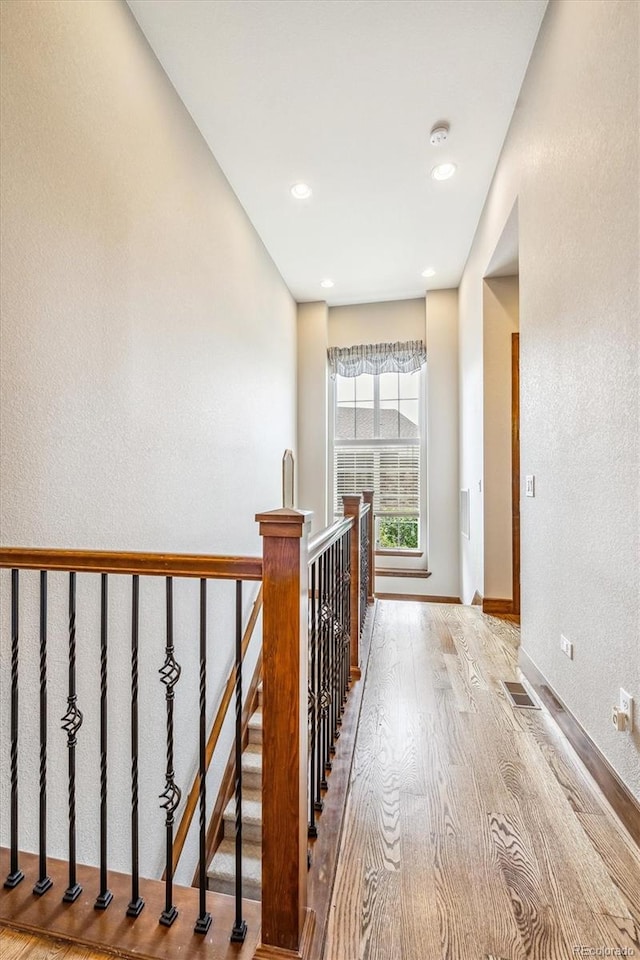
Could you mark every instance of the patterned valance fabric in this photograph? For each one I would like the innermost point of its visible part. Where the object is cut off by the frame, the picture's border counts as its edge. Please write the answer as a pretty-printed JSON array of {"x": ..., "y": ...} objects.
[{"x": 377, "y": 358}]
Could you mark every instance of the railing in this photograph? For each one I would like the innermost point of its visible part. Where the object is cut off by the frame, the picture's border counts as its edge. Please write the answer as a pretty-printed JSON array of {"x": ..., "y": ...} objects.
[
  {"x": 329, "y": 652},
  {"x": 313, "y": 594},
  {"x": 106, "y": 565}
]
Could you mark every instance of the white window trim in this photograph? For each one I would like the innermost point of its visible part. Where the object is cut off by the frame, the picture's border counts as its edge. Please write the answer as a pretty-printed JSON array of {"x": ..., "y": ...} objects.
[{"x": 389, "y": 560}]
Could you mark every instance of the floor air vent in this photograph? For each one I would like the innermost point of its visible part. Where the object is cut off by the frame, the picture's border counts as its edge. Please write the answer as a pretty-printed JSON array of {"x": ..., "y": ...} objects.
[{"x": 519, "y": 696}]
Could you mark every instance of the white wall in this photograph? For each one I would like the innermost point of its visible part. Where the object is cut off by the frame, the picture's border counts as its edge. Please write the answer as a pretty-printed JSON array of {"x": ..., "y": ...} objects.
[
  {"x": 148, "y": 379},
  {"x": 377, "y": 322},
  {"x": 571, "y": 160},
  {"x": 500, "y": 307},
  {"x": 311, "y": 453}
]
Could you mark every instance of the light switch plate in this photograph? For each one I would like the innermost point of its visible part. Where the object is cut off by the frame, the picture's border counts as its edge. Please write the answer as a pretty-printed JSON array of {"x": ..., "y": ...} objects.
[{"x": 530, "y": 485}]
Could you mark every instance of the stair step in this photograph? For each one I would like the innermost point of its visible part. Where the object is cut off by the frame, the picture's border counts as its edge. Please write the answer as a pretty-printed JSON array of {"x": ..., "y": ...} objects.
[
  {"x": 255, "y": 727},
  {"x": 251, "y": 817},
  {"x": 222, "y": 870},
  {"x": 252, "y": 767}
]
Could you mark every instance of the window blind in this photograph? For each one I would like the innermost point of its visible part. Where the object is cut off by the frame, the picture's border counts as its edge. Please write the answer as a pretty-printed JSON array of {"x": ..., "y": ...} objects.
[{"x": 392, "y": 471}]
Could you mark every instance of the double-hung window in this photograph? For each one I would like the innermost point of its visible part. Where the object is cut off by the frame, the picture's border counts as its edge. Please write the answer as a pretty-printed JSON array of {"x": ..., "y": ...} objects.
[{"x": 379, "y": 445}]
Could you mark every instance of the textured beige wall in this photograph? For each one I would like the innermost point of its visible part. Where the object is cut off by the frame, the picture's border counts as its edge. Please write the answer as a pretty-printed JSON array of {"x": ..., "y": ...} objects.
[
  {"x": 312, "y": 451},
  {"x": 571, "y": 160},
  {"x": 377, "y": 322},
  {"x": 500, "y": 308},
  {"x": 147, "y": 373}
]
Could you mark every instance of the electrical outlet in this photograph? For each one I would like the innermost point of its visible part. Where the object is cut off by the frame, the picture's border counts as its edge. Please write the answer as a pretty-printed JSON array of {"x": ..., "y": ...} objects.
[
  {"x": 618, "y": 719},
  {"x": 626, "y": 707},
  {"x": 566, "y": 646}
]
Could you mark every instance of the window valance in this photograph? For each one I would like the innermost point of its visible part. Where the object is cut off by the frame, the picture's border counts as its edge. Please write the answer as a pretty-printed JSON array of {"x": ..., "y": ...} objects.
[{"x": 377, "y": 358}]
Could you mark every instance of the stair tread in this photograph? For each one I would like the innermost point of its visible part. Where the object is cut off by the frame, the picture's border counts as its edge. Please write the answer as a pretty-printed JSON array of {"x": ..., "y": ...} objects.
[
  {"x": 223, "y": 864},
  {"x": 255, "y": 721},
  {"x": 251, "y": 807},
  {"x": 252, "y": 757}
]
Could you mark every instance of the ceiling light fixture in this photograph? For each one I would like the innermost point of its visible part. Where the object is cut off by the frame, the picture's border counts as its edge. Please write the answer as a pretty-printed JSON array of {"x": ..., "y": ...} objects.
[
  {"x": 326, "y": 283},
  {"x": 301, "y": 191},
  {"x": 443, "y": 171},
  {"x": 429, "y": 272}
]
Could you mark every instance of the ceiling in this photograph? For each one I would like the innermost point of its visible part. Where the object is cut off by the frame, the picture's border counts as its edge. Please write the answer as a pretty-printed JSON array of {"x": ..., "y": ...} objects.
[{"x": 342, "y": 94}]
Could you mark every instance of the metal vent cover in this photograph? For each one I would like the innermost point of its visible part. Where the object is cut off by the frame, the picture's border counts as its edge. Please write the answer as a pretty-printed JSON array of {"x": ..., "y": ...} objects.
[{"x": 519, "y": 696}]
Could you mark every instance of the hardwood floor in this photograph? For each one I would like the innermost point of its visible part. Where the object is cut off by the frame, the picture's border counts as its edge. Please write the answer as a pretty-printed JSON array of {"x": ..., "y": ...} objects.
[
  {"x": 15, "y": 945},
  {"x": 472, "y": 831}
]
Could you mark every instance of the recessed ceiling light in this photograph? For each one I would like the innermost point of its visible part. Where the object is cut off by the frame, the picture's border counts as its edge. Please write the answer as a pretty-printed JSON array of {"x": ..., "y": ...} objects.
[
  {"x": 326, "y": 283},
  {"x": 301, "y": 191},
  {"x": 429, "y": 272},
  {"x": 443, "y": 171}
]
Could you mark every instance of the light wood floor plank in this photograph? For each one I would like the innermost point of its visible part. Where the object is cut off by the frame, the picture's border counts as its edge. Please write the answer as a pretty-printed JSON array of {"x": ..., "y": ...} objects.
[{"x": 472, "y": 830}]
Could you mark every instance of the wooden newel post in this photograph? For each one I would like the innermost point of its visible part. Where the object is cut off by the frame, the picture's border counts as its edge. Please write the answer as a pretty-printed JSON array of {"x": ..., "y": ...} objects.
[
  {"x": 367, "y": 496},
  {"x": 351, "y": 508},
  {"x": 286, "y": 922}
]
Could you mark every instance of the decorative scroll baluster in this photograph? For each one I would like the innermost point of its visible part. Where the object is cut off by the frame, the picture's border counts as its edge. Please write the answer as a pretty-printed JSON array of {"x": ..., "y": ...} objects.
[
  {"x": 15, "y": 873},
  {"x": 204, "y": 919},
  {"x": 71, "y": 723},
  {"x": 313, "y": 700},
  {"x": 169, "y": 674},
  {"x": 136, "y": 903},
  {"x": 44, "y": 882},
  {"x": 105, "y": 896},
  {"x": 239, "y": 930}
]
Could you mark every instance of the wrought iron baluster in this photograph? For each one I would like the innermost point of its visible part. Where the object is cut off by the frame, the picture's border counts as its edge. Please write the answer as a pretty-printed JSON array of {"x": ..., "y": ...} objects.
[
  {"x": 105, "y": 896},
  {"x": 169, "y": 675},
  {"x": 239, "y": 930},
  {"x": 204, "y": 919},
  {"x": 44, "y": 882},
  {"x": 15, "y": 873},
  {"x": 346, "y": 607},
  {"x": 71, "y": 723},
  {"x": 335, "y": 692},
  {"x": 320, "y": 772},
  {"x": 364, "y": 568},
  {"x": 313, "y": 700},
  {"x": 136, "y": 903},
  {"x": 325, "y": 614}
]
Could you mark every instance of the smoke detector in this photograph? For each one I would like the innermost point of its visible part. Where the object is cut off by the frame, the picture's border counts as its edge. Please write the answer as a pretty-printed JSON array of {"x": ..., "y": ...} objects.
[{"x": 439, "y": 134}]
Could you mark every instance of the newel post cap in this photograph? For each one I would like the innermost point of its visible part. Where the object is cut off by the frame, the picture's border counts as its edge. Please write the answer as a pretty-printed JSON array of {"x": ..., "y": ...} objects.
[
  {"x": 351, "y": 503},
  {"x": 284, "y": 522}
]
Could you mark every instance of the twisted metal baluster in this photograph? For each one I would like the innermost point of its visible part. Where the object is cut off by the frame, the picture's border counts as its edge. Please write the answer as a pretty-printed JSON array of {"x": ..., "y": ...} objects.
[
  {"x": 169, "y": 675},
  {"x": 239, "y": 931},
  {"x": 15, "y": 873},
  {"x": 136, "y": 903},
  {"x": 204, "y": 919},
  {"x": 44, "y": 882},
  {"x": 313, "y": 702},
  {"x": 71, "y": 723},
  {"x": 105, "y": 896}
]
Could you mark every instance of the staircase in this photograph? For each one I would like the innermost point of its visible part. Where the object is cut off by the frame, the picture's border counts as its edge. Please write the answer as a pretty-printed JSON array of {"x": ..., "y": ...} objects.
[{"x": 222, "y": 868}]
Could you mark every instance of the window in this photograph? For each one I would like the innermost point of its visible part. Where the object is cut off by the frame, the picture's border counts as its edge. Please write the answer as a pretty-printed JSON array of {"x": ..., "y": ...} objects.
[{"x": 378, "y": 445}]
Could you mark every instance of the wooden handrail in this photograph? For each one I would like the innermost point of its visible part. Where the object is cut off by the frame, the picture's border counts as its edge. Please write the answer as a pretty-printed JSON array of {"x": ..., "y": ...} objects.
[
  {"x": 147, "y": 564},
  {"x": 329, "y": 535},
  {"x": 192, "y": 799}
]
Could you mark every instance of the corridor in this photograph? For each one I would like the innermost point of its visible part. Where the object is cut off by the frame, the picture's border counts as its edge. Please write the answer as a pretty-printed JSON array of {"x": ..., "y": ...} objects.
[{"x": 472, "y": 832}]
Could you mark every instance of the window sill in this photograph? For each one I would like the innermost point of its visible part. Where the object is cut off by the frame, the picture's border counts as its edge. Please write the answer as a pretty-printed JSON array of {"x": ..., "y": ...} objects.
[
  {"x": 416, "y": 574},
  {"x": 399, "y": 553}
]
